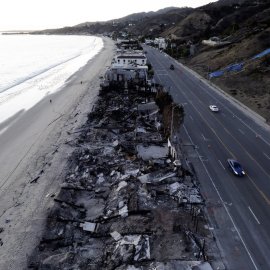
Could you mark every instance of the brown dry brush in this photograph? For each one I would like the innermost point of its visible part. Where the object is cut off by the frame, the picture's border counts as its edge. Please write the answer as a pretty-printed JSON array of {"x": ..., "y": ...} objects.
[{"x": 168, "y": 110}]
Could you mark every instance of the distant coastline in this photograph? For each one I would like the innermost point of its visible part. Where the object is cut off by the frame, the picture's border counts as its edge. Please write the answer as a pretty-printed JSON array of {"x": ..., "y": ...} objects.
[{"x": 15, "y": 32}]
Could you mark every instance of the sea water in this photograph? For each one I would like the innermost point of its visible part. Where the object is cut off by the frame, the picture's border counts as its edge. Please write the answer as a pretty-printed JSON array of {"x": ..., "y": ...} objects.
[{"x": 35, "y": 66}]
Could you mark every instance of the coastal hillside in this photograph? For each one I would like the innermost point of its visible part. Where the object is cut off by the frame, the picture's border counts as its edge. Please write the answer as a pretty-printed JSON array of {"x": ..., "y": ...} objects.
[
  {"x": 144, "y": 23},
  {"x": 224, "y": 18},
  {"x": 240, "y": 61},
  {"x": 207, "y": 39}
]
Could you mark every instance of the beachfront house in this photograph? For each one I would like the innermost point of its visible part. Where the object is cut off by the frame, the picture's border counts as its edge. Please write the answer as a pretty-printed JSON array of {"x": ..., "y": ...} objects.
[
  {"x": 127, "y": 68},
  {"x": 128, "y": 44},
  {"x": 128, "y": 59}
]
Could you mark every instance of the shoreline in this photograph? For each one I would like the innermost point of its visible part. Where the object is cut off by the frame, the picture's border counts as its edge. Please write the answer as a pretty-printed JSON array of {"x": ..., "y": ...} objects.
[
  {"x": 32, "y": 81},
  {"x": 36, "y": 147}
]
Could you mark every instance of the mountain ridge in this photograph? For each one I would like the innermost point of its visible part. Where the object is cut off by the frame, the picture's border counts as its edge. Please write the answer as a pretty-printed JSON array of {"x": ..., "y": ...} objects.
[{"x": 244, "y": 25}]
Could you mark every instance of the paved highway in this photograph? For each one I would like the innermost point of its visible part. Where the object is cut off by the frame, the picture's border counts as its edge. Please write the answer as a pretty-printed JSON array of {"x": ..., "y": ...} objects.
[{"x": 238, "y": 208}]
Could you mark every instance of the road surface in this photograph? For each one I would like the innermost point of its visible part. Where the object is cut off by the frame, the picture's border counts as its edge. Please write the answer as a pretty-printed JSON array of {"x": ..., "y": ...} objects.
[{"x": 238, "y": 208}]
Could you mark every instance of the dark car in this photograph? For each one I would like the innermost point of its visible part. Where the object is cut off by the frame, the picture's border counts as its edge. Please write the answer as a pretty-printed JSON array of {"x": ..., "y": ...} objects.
[
  {"x": 236, "y": 167},
  {"x": 172, "y": 67}
]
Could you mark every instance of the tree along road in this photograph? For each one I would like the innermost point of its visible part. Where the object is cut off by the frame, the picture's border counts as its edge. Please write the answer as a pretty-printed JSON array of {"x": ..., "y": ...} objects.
[{"x": 238, "y": 207}]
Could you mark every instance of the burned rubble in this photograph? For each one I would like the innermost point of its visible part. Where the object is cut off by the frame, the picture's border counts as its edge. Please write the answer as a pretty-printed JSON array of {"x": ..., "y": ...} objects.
[{"x": 126, "y": 203}]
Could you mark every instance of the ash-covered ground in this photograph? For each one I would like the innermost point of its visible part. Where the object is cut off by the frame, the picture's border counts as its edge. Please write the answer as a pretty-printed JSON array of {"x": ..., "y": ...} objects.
[{"x": 125, "y": 202}]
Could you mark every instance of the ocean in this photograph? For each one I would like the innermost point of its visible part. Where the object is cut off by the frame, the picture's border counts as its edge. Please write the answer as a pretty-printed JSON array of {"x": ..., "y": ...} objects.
[{"x": 34, "y": 66}]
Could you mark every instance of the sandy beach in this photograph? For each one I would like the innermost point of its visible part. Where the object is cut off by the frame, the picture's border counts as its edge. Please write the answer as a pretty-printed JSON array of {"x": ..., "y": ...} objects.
[{"x": 34, "y": 151}]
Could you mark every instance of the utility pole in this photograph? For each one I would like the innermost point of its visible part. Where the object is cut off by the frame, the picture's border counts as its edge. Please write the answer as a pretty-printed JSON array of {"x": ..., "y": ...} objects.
[{"x": 172, "y": 116}]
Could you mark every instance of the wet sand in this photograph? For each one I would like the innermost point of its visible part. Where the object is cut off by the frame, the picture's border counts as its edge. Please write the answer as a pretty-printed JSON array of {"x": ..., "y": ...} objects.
[{"x": 33, "y": 155}]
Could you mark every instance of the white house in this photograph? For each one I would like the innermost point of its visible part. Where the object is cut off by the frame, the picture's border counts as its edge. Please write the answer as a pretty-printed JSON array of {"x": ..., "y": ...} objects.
[
  {"x": 148, "y": 41},
  {"x": 161, "y": 42},
  {"x": 135, "y": 59},
  {"x": 121, "y": 40},
  {"x": 126, "y": 68}
]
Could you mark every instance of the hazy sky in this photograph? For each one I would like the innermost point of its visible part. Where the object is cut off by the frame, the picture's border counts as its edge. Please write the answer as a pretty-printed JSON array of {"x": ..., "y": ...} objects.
[{"x": 41, "y": 14}]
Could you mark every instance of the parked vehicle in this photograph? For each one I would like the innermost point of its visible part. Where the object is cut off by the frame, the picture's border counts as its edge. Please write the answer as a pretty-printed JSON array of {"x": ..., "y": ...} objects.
[{"x": 236, "y": 167}]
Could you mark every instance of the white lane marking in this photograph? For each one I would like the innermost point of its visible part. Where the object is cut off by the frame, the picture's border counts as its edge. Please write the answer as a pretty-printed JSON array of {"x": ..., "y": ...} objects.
[
  {"x": 221, "y": 164},
  {"x": 191, "y": 117},
  {"x": 235, "y": 105},
  {"x": 226, "y": 130},
  {"x": 203, "y": 137},
  {"x": 229, "y": 204},
  {"x": 202, "y": 158},
  {"x": 162, "y": 74},
  {"x": 266, "y": 155},
  {"x": 218, "y": 93},
  {"x": 254, "y": 215},
  {"x": 241, "y": 131},
  {"x": 225, "y": 207}
]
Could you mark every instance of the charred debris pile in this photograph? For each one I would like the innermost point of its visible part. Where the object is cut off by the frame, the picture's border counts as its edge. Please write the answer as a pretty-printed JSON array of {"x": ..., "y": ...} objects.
[{"x": 126, "y": 203}]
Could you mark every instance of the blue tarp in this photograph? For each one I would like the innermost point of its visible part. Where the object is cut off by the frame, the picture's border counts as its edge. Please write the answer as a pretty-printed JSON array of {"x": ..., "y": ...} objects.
[
  {"x": 265, "y": 52},
  {"x": 233, "y": 67},
  {"x": 216, "y": 74},
  {"x": 237, "y": 66}
]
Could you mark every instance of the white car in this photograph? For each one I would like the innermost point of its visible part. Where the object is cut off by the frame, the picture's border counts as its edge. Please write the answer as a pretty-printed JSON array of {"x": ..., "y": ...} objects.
[{"x": 213, "y": 108}]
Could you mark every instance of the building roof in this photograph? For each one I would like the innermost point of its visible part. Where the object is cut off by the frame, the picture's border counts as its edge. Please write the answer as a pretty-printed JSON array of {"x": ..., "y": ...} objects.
[
  {"x": 135, "y": 67},
  {"x": 131, "y": 57}
]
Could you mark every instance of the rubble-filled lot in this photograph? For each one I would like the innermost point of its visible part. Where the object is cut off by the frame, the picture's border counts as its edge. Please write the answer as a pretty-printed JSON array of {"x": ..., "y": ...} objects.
[{"x": 125, "y": 204}]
